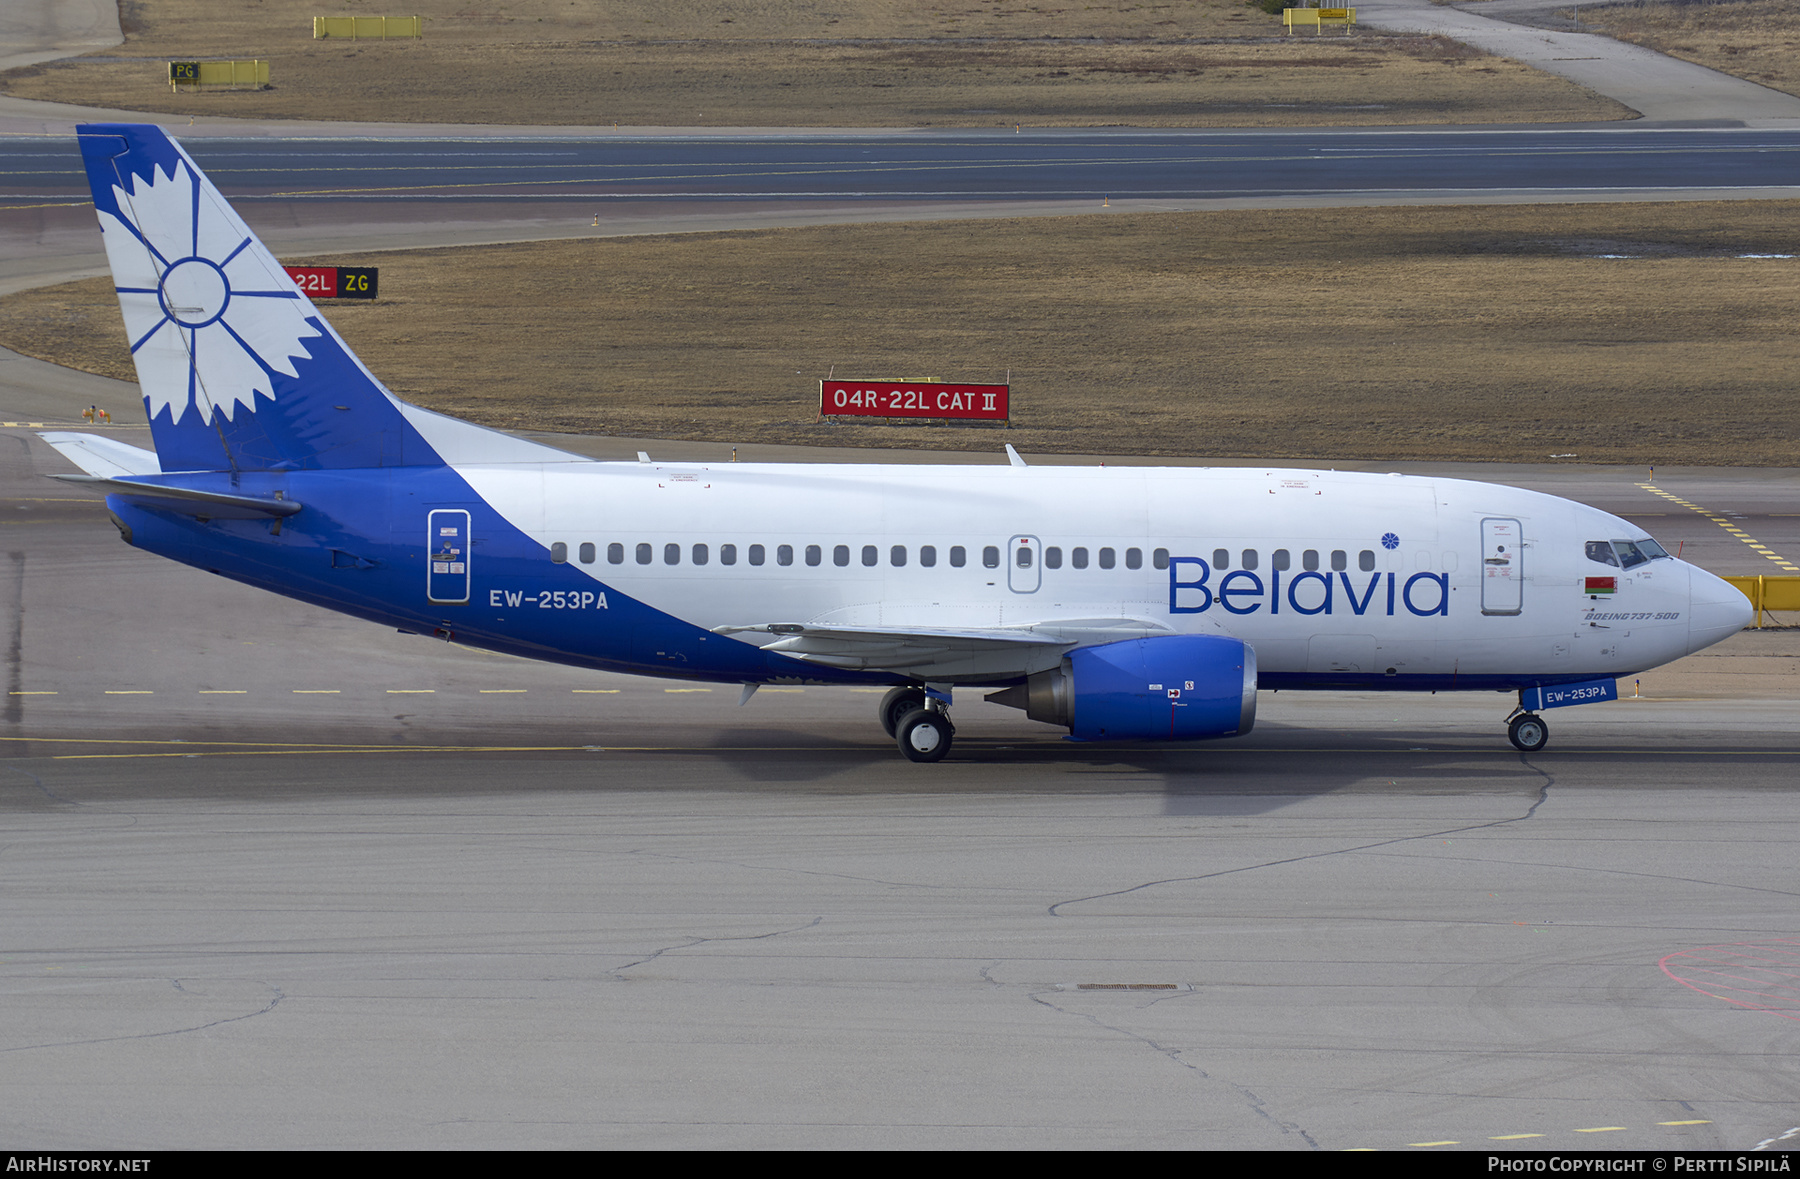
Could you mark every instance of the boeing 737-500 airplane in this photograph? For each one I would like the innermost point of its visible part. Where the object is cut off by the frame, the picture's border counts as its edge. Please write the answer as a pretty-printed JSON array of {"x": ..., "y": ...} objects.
[{"x": 1118, "y": 602}]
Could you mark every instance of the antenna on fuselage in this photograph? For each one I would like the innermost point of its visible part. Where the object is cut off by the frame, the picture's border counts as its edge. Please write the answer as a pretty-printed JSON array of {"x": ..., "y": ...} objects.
[{"x": 1012, "y": 456}]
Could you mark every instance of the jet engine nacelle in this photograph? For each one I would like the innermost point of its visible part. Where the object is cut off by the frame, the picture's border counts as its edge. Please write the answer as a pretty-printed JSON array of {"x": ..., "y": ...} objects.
[{"x": 1169, "y": 688}]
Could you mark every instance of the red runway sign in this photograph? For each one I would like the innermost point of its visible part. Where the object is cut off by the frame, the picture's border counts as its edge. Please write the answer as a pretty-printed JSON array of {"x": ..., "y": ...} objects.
[{"x": 913, "y": 399}]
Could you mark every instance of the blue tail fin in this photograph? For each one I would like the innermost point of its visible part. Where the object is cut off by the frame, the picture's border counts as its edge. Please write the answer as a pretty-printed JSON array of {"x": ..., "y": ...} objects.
[{"x": 239, "y": 370}]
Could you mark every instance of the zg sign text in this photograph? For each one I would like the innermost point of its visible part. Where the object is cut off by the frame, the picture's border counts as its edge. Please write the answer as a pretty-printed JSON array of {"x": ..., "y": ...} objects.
[{"x": 335, "y": 282}]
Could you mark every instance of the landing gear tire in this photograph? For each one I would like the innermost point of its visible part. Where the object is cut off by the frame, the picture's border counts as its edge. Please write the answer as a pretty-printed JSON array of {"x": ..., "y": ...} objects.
[
  {"x": 1528, "y": 733},
  {"x": 924, "y": 736},
  {"x": 897, "y": 704}
]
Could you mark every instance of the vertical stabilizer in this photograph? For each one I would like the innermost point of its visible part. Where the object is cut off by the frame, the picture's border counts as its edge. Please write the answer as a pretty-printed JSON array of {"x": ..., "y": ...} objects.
[{"x": 239, "y": 370}]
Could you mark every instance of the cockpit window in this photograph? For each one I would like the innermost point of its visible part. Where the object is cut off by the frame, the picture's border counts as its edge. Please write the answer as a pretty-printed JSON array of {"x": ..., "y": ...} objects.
[
  {"x": 1601, "y": 551},
  {"x": 1626, "y": 554}
]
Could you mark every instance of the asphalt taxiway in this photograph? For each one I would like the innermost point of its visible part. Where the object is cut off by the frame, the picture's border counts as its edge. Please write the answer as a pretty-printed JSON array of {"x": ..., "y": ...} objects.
[{"x": 274, "y": 877}]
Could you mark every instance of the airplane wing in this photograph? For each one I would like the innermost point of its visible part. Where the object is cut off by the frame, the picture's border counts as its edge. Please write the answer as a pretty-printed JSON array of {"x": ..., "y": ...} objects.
[{"x": 940, "y": 653}]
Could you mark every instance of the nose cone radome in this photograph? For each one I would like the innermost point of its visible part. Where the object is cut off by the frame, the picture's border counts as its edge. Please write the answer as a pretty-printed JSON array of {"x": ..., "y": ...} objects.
[{"x": 1716, "y": 610}]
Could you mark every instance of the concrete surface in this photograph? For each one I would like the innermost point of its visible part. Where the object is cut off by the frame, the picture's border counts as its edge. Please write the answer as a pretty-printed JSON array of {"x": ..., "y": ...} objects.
[{"x": 1661, "y": 89}]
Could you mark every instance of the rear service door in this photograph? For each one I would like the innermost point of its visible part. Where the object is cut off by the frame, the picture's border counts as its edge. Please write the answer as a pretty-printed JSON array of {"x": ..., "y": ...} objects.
[{"x": 447, "y": 554}]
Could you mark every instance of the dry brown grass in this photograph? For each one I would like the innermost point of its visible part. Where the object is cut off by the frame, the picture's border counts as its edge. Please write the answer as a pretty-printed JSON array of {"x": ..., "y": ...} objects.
[
  {"x": 850, "y": 63},
  {"x": 1754, "y": 39},
  {"x": 272, "y": 22},
  {"x": 1431, "y": 333}
]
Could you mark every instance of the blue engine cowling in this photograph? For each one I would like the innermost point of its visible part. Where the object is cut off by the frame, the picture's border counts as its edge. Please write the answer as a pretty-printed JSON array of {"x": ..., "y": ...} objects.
[{"x": 1168, "y": 688}]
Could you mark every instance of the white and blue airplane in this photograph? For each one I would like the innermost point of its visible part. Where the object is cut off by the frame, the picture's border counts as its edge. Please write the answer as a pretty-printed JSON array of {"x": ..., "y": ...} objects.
[{"x": 1119, "y": 602}]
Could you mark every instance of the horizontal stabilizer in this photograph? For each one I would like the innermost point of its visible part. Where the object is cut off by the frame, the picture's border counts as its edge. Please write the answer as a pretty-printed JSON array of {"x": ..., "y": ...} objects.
[
  {"x": 188, "y": 500},
  {"x": 98, "y": 455}
]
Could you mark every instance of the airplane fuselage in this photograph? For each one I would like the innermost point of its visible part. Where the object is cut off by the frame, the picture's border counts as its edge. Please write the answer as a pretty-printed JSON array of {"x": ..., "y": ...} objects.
[{"x": 1336, "y": 579}]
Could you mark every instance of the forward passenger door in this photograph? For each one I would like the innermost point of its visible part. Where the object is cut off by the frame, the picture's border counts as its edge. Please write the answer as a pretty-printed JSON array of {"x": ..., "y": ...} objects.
[{"x": 1502, "y": 566}]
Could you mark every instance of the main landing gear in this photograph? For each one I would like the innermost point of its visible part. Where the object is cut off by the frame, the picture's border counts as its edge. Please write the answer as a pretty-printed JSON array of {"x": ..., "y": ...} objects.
[
  {"x": 919, "y": 721},
  {"x": 1527, "y": 731}
]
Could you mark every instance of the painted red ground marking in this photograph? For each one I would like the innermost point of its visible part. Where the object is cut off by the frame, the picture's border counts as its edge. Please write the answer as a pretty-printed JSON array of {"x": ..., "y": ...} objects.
[{"x": 1763, "y": 976}]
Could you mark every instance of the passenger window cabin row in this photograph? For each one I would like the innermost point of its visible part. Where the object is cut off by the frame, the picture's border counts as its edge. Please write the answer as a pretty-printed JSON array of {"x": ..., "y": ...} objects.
[
  {"x": 1282, "y": 560},
  {"x": 701, "y": 554},
  {"x": 898, "y": 556}
]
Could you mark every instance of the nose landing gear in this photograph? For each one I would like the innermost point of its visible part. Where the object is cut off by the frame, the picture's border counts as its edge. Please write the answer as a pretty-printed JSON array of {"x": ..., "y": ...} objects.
[{"x": 1527, "y": 731}]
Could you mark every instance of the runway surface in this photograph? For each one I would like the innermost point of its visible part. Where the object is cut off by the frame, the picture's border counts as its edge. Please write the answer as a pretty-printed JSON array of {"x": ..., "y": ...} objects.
[
  {"x": 1123, "y": 164},
  {"x": 278, "y": 878}
]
